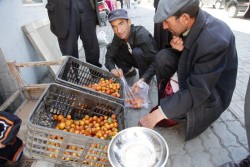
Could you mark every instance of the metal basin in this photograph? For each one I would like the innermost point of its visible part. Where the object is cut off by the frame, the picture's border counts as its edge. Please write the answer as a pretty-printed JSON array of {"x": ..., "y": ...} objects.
[{"x": 138, "y": 147}]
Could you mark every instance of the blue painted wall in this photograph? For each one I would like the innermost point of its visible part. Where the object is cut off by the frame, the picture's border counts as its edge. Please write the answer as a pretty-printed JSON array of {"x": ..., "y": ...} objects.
[{"x": 13, "y": 42}]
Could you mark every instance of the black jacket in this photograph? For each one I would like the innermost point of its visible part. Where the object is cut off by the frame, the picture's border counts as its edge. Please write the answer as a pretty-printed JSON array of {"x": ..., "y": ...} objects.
[
  {"x": 59, "y": 15},
  {"x": 139, "y": 37},
  {"x": 207, "y": 72}
]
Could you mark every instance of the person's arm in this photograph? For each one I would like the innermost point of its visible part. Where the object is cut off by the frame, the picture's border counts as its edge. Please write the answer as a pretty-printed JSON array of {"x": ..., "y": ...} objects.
[
  {"x": 147, "y": 43},
  {"x": 112, "y": 51},
  {"x": 117, "y": 72},
  {"x": 177, "y": 43},
  {"x": 151, "y": 119}
]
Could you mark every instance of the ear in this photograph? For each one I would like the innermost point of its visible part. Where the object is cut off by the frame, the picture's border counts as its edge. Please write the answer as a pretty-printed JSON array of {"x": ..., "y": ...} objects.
[
  {"x": 129, "y": 21},
  {"x": 185, "y": 18}
]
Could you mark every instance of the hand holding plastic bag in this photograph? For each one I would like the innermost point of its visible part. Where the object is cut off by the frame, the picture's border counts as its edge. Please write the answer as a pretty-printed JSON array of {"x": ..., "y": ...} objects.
[{"x": 137, "y": 96}]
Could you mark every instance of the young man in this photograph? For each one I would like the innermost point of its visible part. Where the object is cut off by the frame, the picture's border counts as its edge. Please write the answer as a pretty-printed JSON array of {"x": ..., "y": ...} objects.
[
  {"x": 71, "y": 19},
  {"x": 132, "y": 47},
  {"x": 204, "y": 56}
]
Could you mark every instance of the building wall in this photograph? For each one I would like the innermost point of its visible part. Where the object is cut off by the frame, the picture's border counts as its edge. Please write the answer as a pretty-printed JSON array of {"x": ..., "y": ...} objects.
[{"x": 13, "y": 42}]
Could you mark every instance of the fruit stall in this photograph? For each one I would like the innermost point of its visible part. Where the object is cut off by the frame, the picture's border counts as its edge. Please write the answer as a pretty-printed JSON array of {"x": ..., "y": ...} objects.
[{"x": 71, "y": 121}]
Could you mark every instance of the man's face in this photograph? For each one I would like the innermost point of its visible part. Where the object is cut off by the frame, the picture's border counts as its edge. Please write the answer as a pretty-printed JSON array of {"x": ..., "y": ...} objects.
[
  {"x": 121, "y": 28},
  {"x": 176, "y": 26}
]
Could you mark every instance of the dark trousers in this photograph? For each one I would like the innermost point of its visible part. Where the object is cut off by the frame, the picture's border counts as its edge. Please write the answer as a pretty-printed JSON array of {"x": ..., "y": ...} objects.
[
  {"x": 166, "y": 65},
  {"x": 137, "y": 59},
  {"x": 83, "y": 24}
]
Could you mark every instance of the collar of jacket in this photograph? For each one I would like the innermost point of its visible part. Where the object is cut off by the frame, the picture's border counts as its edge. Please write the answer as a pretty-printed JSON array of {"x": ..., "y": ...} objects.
[
  {"x": 195, "y": 30},
  {"x": 130, "y": 38}
]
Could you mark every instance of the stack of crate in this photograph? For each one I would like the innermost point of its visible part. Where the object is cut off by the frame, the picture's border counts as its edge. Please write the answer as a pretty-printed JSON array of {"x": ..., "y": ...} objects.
[{"x": 71, "y": 96}]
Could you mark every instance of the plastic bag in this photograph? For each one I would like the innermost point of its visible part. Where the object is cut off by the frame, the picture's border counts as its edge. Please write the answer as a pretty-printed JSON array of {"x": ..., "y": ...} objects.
[
  {"x": 137, "y": 96},
  {"x": 102, "y": 38}
]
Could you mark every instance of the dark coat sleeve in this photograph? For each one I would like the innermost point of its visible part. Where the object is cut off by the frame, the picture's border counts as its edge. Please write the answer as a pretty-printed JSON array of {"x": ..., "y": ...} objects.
[
  {"x": 112, "y": 52},
  {"x": 146, "y": 42},
  {"x": 202, "y": 77}
]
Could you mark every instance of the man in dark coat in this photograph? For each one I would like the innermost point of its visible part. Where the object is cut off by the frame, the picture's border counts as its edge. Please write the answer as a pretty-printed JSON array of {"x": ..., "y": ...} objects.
[
  {"x": 204, "y": 55},
  {"x": 70, "y": 19}
]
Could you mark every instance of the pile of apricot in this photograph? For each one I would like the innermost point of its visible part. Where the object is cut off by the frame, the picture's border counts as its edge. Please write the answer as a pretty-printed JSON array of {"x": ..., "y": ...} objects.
[
  {"x": 107, "y": 86},
  {"x": 102, "y": 127}
]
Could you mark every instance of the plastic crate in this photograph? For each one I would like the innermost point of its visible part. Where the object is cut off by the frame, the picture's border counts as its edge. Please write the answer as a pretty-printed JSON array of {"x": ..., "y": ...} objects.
[
  {"x": 44, "y": 142},
  {"x": 78, "y": 74}
]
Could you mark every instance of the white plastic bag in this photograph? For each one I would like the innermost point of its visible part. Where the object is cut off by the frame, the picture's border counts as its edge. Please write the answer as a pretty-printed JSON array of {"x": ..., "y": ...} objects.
[
  {"x": 136, "y": 97},
  {"x": 102, "y": 38}
]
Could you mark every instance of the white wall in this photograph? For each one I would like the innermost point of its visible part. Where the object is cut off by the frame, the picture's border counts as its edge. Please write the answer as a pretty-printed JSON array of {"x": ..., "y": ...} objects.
[{"x": 13, "y": 42}]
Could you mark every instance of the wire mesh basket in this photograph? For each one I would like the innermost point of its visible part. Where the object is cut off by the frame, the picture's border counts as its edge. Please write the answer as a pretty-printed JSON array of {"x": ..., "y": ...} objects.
[
  {"x": 78, "y": 74},
  {"x": 62, "y": 147}
]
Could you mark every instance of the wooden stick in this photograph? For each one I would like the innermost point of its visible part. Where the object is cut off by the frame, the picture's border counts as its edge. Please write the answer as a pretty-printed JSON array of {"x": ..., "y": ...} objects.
[
  {"x": 35, "y": 90},
  {"x": 8, "y": 101},
  {"x": 39, "y": 63},
  {"x": 16, "y": 73},
  {"x": 36, "y": 87}
]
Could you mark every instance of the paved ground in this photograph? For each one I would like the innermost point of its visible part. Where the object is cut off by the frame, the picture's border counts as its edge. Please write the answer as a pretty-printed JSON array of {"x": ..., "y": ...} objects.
[{"x": 225, "y": 140}]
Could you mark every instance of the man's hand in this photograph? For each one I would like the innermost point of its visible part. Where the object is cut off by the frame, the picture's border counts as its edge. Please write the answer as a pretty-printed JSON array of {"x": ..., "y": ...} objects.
[
  {"x": 151, "y": 119},
  {"x": 117, "y": 72},
  {"x": 177, "y": 43},
  {"x": 136, "y": 86},
  {"x": 2, "y": 146}
]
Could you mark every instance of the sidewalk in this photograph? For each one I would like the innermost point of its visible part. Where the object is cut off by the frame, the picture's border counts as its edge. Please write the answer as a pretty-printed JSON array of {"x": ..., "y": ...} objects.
[{"x": 225, "y": 140}]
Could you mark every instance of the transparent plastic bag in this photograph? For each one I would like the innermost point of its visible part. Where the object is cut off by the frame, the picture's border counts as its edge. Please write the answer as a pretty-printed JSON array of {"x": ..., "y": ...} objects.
[{"x": 137, "y": 96}]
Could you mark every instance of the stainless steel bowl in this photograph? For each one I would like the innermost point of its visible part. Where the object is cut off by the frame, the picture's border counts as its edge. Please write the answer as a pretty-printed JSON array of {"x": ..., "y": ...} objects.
[{"x": 138, "y": 147}]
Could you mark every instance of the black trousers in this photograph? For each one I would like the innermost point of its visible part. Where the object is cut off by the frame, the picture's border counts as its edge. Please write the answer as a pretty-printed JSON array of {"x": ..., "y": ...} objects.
[
  {"x": 137, "y": 59},
  {"x": 83, "y": 24},
  {"x": 166, "y": 65}
]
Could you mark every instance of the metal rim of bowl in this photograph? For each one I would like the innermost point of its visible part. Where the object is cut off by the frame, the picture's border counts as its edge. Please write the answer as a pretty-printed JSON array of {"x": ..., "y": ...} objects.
[{"x": 147, "y": 129}]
